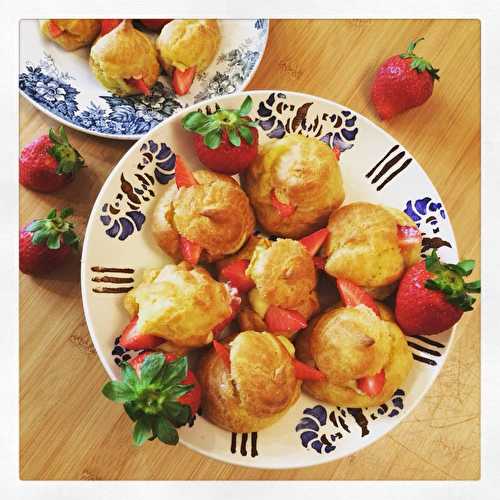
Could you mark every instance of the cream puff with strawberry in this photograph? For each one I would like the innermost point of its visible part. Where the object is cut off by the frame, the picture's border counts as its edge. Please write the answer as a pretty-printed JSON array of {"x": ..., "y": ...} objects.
[
  {"x": 251, "y": 381},
  {"x": 359, "y": 349},
  {"x": 71, "y": 34},
  {"x": 177, "y": 308},
  {"x": 280, "y": 278},
  {"x": 202, "y": 216},
  {"x": 371, "y": 245},
  {"x": 186, "y": 47},
  {"x": 124, "y": 60},
  {"x": 294, "y": 184}
]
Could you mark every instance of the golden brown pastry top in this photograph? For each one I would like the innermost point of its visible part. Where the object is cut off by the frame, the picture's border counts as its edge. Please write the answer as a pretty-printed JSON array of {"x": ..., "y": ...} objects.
[
  {"x": 180, "y": 304},
  {"x": 124, "y": 53},
  {"x": 215, "y": 214},
  {"x": 363, "y": 245},
  {"x": 184, "y": 43},
  {"x": 301, "y": 171},
  {"x": 76, "y": 32}
]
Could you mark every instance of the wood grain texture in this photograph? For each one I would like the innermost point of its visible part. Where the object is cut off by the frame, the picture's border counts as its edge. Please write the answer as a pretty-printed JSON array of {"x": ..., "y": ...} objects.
[{"x": 69, "y": 431}]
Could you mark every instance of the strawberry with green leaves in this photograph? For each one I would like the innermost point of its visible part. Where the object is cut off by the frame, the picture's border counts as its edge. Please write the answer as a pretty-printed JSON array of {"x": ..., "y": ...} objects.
[
  {"x": 45, "y": 244},
  {"x": 158, "y": 393},
  {"x": 402, "y": 82},
  {"x": 432, "y": 296},
  {"x": 49, "y": 163},
  {"x": 225, "y": 141}
]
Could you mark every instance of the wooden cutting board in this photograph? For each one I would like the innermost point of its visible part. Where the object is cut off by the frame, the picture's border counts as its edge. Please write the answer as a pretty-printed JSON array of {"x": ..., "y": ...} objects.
[{"x": 70, "y": 431}]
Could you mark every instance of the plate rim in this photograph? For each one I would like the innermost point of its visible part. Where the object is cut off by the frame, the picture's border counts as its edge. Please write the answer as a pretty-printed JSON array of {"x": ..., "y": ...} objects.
[
  {"x": 322, "y": 459},
  {"x": 137, "y": 137}
]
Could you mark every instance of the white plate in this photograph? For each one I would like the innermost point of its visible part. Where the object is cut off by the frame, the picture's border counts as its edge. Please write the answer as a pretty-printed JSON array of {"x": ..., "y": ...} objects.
[
  {"x": 375, "y": 168},
  {"x": 61, "y": 84}
]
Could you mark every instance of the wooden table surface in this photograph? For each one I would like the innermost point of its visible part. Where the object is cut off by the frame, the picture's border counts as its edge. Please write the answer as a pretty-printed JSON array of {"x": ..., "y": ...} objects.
[{"x": 70, "y": 431}]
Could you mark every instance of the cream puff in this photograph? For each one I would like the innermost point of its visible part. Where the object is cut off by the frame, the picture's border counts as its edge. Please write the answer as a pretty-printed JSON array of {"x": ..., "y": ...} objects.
[
  {"x": 371, "y": 245},
  {"x": 202, "y": 216},
  {"x": 280, "y": 278},
  {"x": 124, "y": 61},
  {"x": 293, "y": 185},
  {"x": 362, "y": 354},
  {"x": 179, "y": 305},
  {"x": 187, "y": 43},
  {"x": 71, "y": 34},
  {"x": 249, "y": 383}
]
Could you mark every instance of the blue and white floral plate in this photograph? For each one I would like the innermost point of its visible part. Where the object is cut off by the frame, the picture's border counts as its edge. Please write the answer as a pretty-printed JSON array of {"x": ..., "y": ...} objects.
[
  {"x": 61, "y": 84},
  {"x": 119, "y": 245}
]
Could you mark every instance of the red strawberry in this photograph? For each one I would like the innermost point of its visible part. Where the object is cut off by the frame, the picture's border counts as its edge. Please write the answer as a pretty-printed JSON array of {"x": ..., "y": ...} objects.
[
  {"x": 235, "y": 307},
  {"x": 284, "y": 209},
  {"x": 225, "y": 141},
  {"x": 319, "y": 262},
  {"x": 132, "y": 339},
  {"x": 183, "y": 176},
  {"x": 54, "y": 29},
  {"x": 182, "y": 80},
  {"x": 234, "y": 272},
  {"x": 49, "y": 162},
  {"x": 138, "y": 83},
  {"x": 372, "y": 385},
  {"x": 402, "y": 82},
  {"x": 305, "y": 372},
  {"x": 352, "y": 295},
  {"x": 432, "y": 296},
  {"x": 313, "y": 241},
  {"x": 45, "y": 244},
  {"x": 158, "y": 393},
  {"x": 223, "y": 352},
  {"x": 190, "y": 251},
  {"x": 108, "y": 25},
  {"x": 191, "y": 398},
  {"x": 284, "y": 320},
  {"x": 408, "y": 236},
  {"x": 154, "y": 24}
]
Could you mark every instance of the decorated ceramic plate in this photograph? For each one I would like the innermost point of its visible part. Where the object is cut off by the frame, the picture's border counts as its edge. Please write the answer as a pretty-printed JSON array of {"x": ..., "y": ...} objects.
[
  {"x": 62, "y": 85},
  {"x": 119, "y": 245}
]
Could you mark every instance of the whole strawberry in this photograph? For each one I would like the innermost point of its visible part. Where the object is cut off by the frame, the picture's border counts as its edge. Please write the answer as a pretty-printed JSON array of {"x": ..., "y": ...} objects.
[
  {"x": 49, "y": 162},
  {"x": 225, "y": 141},
  {"x": 402, "y": 82},
  {"x": 45, "y": 244},
  {"x": 432, "y": 296}
]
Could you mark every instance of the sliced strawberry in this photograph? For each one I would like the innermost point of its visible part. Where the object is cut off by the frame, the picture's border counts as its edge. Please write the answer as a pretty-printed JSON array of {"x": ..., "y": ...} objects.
[
  {"x": 283, "y": 209},
  {"x": 235, "y": 307},
  {"x": 305, "y": 372},
  {"x": 284, "y": 320},
  {"x": 132, "y": 339},
  {"x": 190, "y": 251},
  {"x": 372, "y": 385},
  {"x": 408, "y": 236},
  {"x": 108, "y": 25},
  {"x": 182, "y": 80},
  {"x": 336, "y": 152},
  {"x": 319, "y": 262},
  {"x": 223, "y": 353},
  {"x": 313, "y": 242},
  {"x": 352, "y": 295},
  {"x": 138, "y": 83},
  {"x": 54, "y": 29},
  {"x": 234, "y": 272},
  {"x": 183, "y": 176}
]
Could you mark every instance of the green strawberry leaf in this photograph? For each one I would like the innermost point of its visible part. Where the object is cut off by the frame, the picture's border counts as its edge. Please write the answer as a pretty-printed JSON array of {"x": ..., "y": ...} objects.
[
  {"x": 177, "y": 391},
  {"x": 213, "y": 139},
  {"x": 177, "y": 413},
  {"x": 54, "y": 241},
  {"x": 174, "y": 372},
  {"x": 129, "y": 375},
  {"x": 165, "y": 431},
  {"x": 473, "y": 286},
  {"x": 36, "y": 225},
  {"x": 246, "y": 106},
  {"x": 151, "y": 367},
  {"x": 52, "y": 214},
  {"x": 118, "y": 392},
  {"x": 246, "y": 134},
  {"x": 133, "y": 413},
  {"x": 40, "y": 236},
  {"x": 467, "y": 266},
  {"x": 194, "y": 120},
  {"x": 142, "y": 431},
  {"x": 234, "y": 138}
]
